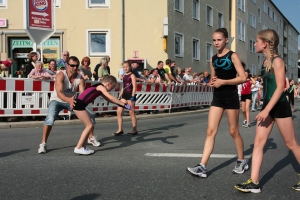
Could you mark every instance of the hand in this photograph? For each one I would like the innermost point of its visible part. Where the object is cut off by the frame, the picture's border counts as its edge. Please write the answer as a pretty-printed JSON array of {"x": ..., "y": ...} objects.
[
  {"x": 132, "y": 98},
  {"x": 72, "y": 102},
  {"x": 127, "y": 106},
  {"x": 262, "y": 116},
  {"x": 216, "y": 83}
]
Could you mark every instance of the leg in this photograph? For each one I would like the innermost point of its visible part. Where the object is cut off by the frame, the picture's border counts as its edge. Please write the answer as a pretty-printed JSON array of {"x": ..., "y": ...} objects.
[
  {"x": 214, "y": 118},
  {"x": 133, "y": 117},
  {"x": 84, "y": 116},
  {"x": 263, "y": 130},
  {"x": 247, "y": 107},
  {"x": 120, "y": 118},
  {"x": 286, "y": 128},
  {"x": 244, "y": 109},
  {"x": 254, "y": 98},
  {"x": 233, "y": 116}
]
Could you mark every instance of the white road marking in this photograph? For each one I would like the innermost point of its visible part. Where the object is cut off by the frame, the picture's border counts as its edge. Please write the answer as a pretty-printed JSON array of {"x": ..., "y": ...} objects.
[{"x": 191, "y": 155}]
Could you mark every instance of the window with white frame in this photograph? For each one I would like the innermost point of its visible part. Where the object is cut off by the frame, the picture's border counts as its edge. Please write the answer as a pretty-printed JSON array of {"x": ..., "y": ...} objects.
[
  {"x": 179, "y": 5},
  {"x": 196, "y": 49},
  {"x": 274, "y": 17},
  {"x": 241, "y": 5},
  {"x": 3, "y": 3},
  {"x": 98, "y": 3},
  {"x": 220, "y": 20},
  {"x": 252, "y": 46},
  {"x": 178, "y": 44},
  {"x": 254, "y": 1},
  {"x": 196, "y": 9},
  {"x": 209, "y": 51},
  {"x": 241, "y": 30},
  {"x": 252, "y": 19},
  {"x": 265, "y": 7},
  {"x": 98, "y": 42},
  {"x": 259, "y": 16},
  {"x": 209, "y": 16},
  {"x": 270, "y": 12}
]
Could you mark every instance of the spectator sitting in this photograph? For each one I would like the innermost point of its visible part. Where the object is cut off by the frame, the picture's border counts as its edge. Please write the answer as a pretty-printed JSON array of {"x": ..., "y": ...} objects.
[
  {"x": 52, "y": 69},
  {"x": 39, "y": 72}
]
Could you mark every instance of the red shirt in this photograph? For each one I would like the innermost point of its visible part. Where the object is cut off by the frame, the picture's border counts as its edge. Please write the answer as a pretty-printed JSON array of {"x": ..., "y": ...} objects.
[
  {"x": 246, "y": 88},
  {"x": 6, "y": 63}
]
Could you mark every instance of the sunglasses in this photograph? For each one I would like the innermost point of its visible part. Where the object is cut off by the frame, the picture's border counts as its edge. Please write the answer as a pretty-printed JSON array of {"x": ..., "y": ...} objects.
[{"x": 72, "y": 65}]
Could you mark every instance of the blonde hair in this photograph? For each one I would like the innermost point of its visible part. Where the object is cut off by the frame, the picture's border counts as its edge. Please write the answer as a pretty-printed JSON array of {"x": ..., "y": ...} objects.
[
  {"x": 102, "y": 61},
  {"x": 111, "y": 79},
  {"x": 270, "y": 36}
]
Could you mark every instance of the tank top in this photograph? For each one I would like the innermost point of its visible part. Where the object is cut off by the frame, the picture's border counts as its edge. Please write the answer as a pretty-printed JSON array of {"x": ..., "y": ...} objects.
[
  {"x": 69, "y": 89},
  {"x": 246, "y": 88},
  {"x": 90, "y": 94},
  {"x": 127, "y": 84},
  {"x": 269, "y": 85},
  {"x": 225, "y": 70}
]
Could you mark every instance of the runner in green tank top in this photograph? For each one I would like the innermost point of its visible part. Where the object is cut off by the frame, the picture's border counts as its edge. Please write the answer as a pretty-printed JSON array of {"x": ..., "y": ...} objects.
[{"x": 275, "y": 109}]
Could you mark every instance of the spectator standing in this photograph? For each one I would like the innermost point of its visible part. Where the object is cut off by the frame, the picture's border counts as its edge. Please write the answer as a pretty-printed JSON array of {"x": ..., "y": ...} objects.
[
  {"x": 63, "y": 61},
  {"x": 5, "y": 65},
  {"x": 254, "y": 91},
  {"x": 187, "y": 77},
  {"x": 52, "y": 69},
  {"x": 224, "y": 67},
  {"x": 39, "y": 72},
  {"x": 96, "y": 69},
  {"x": 179, "y": 75},
  {"x": 85, "y": 69},
  {"x": 134, "y": 66},
  {"x": 246, "y": 98},
  {"x": 162, "y": 73},
  {"x": 291, "y": 92},
  {"x": 102, "y": 71},
  {"x": 32, "y": 58},
  {"x": 168, "y": 70},
  {"x": 206, "y": 77}
]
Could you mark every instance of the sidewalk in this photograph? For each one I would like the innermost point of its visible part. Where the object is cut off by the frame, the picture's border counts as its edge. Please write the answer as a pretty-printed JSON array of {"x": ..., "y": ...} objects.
[{"x": 162, "y": 114}]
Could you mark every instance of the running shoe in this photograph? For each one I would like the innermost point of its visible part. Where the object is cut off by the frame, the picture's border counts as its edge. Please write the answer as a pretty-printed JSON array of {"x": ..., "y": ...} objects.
[
  {"x": 42, "y": 148},
  {"x": 244, "y": 122},
  {"x": 83, "y": 151},
  {"x": 240, "y": 167},
  {"x": 198, "y": 170},
  {"x": 247, "y": 125},
  {"x": 248, "y": 186},
  {"x": 93, "y": 141},
  {"x": 297, "y": 186}
]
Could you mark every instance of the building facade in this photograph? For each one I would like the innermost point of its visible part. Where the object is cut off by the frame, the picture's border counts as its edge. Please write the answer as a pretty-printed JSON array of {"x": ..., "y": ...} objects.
[{"x": 149, "y": 31}]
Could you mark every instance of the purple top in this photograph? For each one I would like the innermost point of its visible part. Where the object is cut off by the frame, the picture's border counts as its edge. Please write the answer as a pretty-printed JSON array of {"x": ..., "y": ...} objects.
[
  {"x": 127, "y": 84},
  {"x": 90, "y": 94}
]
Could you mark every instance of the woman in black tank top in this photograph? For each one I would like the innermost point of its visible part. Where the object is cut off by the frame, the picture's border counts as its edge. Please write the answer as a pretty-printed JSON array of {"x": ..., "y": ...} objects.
[{"x": 224, "y": 67}]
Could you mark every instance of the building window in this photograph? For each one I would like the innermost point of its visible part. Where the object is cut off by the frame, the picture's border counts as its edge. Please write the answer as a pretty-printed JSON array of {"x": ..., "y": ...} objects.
[
  {"x": 209, "y": 16},
  {"x": 196, "y": 9},
  {"x": 98, "y": 42},
  {"x": 209, "y": 51},
  {"x": 265, "y": 7},
  {"x": 179, "y": 5},
  {"x": 196, "y": 49},
  {"x": 98, "y": 3},
  {"x": 241, "y": 5},
  {"x": 241, "y": 30},
  {"x": 281, "y": 23},
  {"x": 254, "y": 1},
  {"x": 179, "y": 45},
  {"x": 252, "y": 46},
  {"x": 252, "y": 19},
  {"x": 220, "y": 20},
  {"x": 3, "y": 3},
  {"x": 259, "y": 16},
  {"x": 270, "y": 12},
  {"x": 274, "y": 17}
]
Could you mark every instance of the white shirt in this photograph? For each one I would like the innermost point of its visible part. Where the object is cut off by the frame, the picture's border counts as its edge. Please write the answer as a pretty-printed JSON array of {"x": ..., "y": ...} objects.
[{"x": 256, "y": 86}]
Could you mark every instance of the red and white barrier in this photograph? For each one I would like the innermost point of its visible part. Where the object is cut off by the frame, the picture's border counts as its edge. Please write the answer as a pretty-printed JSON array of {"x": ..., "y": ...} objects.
[{"x": 28, "y": 97}]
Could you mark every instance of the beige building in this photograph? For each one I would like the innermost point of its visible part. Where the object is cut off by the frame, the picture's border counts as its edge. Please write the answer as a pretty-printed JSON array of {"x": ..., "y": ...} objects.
[
  {"x": 149, "y": 31},
  {"x": 251, "y": 16}
]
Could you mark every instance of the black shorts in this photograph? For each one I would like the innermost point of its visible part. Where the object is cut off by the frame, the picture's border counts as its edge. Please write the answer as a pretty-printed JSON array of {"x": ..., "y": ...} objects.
[
  {"x": 226, "y": 100},
  {"x": 280, "y": 110},
  {"x": 127, "y": 96},
  {"x": 246, "y": 96},
  {"x": 79, "y": 105}
]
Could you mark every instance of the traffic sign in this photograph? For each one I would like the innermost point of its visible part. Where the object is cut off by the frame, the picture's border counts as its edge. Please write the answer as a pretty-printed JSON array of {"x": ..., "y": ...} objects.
[{"x": 39, "y": 20}]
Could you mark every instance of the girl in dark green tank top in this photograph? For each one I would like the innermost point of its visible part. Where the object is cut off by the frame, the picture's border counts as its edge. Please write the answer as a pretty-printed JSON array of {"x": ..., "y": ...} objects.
[{"x": 275, "y": 109}]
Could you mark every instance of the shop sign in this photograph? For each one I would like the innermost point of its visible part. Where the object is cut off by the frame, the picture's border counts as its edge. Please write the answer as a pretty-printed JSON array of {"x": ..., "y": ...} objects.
[{"x": 3, "y": 23}]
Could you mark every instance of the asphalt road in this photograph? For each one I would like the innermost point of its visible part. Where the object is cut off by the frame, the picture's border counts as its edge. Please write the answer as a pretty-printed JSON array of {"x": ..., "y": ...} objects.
[{"x": 122, "y": 168}]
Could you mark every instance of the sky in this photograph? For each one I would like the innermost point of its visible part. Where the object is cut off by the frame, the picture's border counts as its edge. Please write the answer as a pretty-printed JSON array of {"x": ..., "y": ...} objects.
[{"x": 291, "y": 10}]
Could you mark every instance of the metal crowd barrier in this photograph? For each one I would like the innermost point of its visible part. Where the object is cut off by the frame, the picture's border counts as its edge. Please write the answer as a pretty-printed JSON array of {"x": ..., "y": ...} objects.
[{"x": 28, "y": 97}]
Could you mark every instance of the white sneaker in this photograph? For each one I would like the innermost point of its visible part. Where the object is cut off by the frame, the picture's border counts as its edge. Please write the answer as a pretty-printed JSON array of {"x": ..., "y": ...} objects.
[
  {"x": 244, "y": 122},
  {"x": 43, "y": 148},
  {"x": 83, "y": 151},
  {"x": 93, "y": 141}
]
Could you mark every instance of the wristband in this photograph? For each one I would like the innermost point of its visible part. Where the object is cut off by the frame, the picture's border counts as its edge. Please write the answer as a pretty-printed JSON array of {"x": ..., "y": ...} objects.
[{"x": 132, "y": 98}]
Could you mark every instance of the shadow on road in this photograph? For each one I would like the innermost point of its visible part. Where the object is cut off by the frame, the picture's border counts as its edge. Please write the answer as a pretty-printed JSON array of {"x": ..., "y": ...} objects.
[
  {"x": 5, "y": 154},
  {"x": 269, "y": 145},
  {"x": 126, "y": 139},
  {"x": 87, "y": 197}
]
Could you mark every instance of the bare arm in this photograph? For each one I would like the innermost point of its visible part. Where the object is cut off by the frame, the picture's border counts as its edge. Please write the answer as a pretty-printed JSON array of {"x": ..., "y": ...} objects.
[
  {"x": 108, "y": 96},
  {"x": 59, "y": 89},
  {"x": 167, "y": 77}
]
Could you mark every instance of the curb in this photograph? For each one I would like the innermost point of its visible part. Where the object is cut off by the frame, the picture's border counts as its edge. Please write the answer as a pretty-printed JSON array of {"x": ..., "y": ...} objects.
[{"x": 27, "y": 124}]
